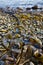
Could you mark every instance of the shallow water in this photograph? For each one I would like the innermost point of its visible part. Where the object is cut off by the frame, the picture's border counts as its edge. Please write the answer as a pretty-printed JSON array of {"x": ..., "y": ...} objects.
[{"x": 21, "y": 3}]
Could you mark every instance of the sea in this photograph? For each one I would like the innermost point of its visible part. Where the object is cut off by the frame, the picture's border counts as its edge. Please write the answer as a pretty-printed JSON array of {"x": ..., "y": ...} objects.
[{"x": 21, "y": 3}]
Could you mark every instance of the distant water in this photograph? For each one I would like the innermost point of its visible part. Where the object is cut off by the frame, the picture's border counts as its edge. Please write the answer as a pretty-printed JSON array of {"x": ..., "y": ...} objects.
[{"x": 21, "y": 3}]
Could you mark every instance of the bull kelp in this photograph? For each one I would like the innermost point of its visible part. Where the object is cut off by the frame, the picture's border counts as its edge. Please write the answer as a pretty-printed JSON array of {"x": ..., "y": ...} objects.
[{"x": 21, "y": 38}]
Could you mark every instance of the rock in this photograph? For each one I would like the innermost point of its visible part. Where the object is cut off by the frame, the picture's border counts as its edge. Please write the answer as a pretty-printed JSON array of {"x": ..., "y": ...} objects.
[{"x": 35, "y": 7}]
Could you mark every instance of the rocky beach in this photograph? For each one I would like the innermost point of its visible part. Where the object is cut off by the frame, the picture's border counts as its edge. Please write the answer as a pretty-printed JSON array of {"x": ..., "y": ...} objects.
[{"x": 21, "y": 35}]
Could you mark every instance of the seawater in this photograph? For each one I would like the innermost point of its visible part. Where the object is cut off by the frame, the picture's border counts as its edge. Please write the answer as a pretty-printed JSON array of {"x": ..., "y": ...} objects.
[{"x": 21, "y": 3}]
